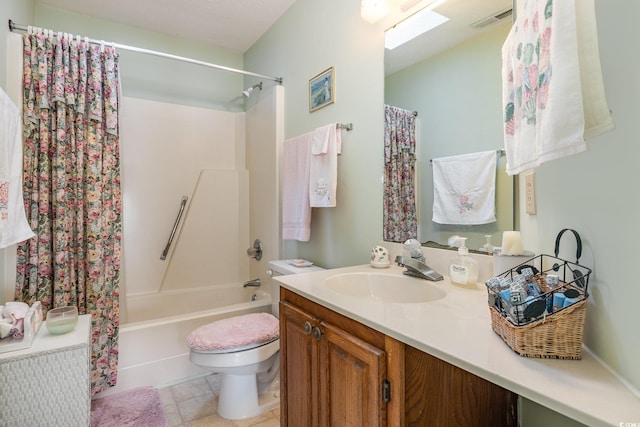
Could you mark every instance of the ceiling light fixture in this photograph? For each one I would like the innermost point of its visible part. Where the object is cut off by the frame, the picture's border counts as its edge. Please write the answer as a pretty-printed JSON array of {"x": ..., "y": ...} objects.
[
  {"x": 405, "y": 5},
  {"x": 373, "y": 10}
]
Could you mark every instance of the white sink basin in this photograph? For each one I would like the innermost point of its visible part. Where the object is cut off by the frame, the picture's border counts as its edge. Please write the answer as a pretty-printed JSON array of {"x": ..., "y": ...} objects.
[{"x": 385, "y": 287}]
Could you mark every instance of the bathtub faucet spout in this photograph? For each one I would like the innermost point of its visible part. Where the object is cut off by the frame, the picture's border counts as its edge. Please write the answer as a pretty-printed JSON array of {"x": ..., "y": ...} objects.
[{"x": 255, "y": 283}]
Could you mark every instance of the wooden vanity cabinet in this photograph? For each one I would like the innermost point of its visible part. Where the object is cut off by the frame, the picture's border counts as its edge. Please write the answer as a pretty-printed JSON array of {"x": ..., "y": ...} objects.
[
  {"x": 438, "y": 393},
  {"x": 336, "y": 371},
  {"x": 330, "y": 375}
]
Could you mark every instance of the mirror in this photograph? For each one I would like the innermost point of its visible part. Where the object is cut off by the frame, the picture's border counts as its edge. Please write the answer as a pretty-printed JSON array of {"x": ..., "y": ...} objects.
[{"x": 451, "y": 76}]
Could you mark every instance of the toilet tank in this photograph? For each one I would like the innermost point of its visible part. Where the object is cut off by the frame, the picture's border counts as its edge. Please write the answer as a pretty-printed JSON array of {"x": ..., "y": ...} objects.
[{"x": 283, "y": 268}]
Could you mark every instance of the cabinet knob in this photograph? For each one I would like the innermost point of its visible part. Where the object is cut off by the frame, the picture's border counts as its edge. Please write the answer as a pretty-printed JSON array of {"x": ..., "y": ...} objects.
[
  {"x": 307, "y": 327},
  {"x": 317, "y": 333}
]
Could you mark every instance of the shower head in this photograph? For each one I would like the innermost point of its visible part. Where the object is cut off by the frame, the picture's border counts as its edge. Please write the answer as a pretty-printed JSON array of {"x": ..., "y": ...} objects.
[{"x": 247, "y": 93}]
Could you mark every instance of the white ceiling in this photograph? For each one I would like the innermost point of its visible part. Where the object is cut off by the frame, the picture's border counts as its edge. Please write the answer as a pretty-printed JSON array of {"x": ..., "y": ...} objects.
[
  {"x": 461, "y": 14},
  {"x": 230, "y": 24},
  {"x": 237, "y": 24}
]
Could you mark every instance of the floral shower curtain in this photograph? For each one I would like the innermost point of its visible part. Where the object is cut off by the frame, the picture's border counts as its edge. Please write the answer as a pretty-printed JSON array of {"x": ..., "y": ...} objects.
[
  {"x": 72, "y": 187},
  {"x": 399, "y": 207}
]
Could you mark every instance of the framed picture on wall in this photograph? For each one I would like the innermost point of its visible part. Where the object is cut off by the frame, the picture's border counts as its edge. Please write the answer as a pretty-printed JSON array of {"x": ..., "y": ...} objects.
[{"x": 322, "y": 90}]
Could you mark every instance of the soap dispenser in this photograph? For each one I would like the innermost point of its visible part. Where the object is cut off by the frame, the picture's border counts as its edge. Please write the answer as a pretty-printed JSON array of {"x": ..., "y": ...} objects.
[{"x": 463, "y": 269}]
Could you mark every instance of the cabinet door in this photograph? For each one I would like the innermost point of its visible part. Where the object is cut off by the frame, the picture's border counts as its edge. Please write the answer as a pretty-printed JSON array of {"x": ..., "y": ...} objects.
[
  {"x": 352, "y": 372},
  {"x": 440, "y": 394},
  {"x": 298, "y": 368}
]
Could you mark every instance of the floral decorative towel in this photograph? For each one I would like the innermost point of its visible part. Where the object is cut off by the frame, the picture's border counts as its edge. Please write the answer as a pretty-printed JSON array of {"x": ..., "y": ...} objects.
[
  {"x": 464, "y": 188},
  {"x": 553, "y": 95}
]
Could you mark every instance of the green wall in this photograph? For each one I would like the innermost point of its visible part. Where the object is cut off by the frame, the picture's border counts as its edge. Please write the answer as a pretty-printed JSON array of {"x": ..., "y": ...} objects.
[
  {"x": 457, "y": 94},
  {"x": 159, "y": 79},
  {"x": 593, "y": 192},
  {"x": 18, "y": 11},
  {"x": 309, "y": 38}
]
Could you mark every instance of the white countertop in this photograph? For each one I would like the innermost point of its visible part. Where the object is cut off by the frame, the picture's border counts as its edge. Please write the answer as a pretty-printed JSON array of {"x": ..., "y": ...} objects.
[
  {"x": 46, "y": 342},
  {"x": 457, "y": 329}
]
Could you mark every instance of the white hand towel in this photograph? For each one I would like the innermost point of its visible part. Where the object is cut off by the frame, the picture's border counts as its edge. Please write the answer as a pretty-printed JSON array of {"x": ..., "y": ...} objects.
[
  {"x": 553, "y": 94},
  {"x": 323, "y": 175},
  {"x": 296, "y": 211},
  {"x": 597, "y": 115},
  {"x": 464, "y": 190},
  {"x": 14, "y": 227}
]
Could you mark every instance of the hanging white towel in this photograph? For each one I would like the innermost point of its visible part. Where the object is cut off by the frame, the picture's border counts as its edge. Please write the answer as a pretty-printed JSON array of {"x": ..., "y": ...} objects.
[
  {"x": 464, "y": 190},
  {"x": 553, "y": 94},
  {"x": 323, "y": 175},
  {"x": 597, "y": 115},
  {"x": 14, "y": 227},
  {"x": 296, "y": 211}
]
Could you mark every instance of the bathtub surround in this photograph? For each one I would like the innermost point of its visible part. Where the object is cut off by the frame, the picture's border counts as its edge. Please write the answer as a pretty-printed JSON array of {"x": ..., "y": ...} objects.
[
  {"x": 72, "y": 188},
  {"x": 225, "y": 162},
  {"x": 154, "y": 180}
]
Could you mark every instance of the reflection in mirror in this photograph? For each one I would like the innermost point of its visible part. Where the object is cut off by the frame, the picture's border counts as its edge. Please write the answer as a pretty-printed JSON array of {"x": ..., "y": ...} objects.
[{"x": 456, "y": 92}]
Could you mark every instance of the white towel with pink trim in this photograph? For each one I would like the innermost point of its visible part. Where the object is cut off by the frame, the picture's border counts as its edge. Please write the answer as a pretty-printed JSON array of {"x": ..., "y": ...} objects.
[
  {"x": 296, "y": 210},
  {"x": 14, "y": 227},
  {"x": 236, "y": 333},
  {"x": 464, "y": 188},
  {"x": 323, "y": 173}
]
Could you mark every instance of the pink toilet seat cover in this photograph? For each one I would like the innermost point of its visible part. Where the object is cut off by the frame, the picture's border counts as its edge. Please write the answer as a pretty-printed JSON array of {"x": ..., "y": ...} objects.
[{"x": 235, "y": 332}]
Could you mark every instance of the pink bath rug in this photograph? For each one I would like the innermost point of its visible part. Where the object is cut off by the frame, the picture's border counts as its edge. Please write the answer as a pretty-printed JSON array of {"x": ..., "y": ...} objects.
[{"x": 138, "y": 407}]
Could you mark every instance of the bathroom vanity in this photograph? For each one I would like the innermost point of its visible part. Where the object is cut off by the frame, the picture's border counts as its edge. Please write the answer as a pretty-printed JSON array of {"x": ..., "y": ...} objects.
[
  {"x": 337, "y": 371},
  {"x": 406, "y": 351}
]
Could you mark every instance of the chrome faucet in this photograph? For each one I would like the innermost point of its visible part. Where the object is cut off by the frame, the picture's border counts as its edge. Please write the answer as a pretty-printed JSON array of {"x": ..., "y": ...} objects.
[
  {"x": 255, "y": 283},
  {"x": 417, "y": 268}
]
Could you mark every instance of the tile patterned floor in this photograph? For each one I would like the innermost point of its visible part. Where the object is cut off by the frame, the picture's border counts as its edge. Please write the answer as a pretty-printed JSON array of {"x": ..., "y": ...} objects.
[{"x": 193, "y": 404}]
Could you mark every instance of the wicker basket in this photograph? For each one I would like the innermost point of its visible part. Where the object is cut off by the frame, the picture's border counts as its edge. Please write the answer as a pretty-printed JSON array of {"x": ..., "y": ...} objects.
[
  {"x": 558, "y": 333},
  {"x": 557, "y": 336}
]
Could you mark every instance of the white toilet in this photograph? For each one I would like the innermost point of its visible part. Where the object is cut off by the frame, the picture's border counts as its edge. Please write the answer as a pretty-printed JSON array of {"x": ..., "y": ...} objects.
[{"x": 244, "y": 351}]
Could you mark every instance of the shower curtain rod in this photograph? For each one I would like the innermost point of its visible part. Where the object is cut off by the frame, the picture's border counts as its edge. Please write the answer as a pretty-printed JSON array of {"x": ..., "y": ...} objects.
[{"x": 18, "y": 27}]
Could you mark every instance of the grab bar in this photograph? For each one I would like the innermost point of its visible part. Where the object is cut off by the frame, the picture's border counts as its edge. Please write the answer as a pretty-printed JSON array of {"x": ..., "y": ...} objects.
[{"x": 163, "y": 256}]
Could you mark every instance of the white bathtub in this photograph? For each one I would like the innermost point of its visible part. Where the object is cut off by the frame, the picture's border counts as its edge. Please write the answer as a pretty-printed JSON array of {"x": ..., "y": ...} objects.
[{"x": 152, "y": 344}]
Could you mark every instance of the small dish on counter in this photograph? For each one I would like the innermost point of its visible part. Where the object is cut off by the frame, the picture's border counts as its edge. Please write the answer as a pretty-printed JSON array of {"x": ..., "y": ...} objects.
[
  {"x": 380, "y": 264},
  {"x": 299, "y": 262},
  {"x": 61, "y": 320}
]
